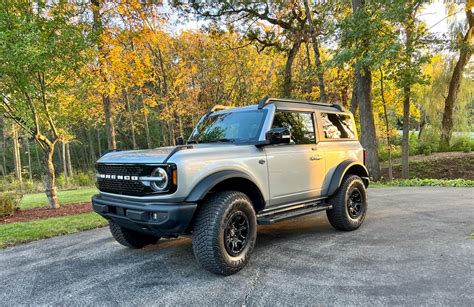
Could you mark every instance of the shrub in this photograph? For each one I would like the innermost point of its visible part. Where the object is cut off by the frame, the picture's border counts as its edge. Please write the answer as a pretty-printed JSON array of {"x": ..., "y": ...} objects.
[
  {"x": 415, "y": 182},
  {"x": 9, "y": 203},
  {"x": 461, "y": 143}
]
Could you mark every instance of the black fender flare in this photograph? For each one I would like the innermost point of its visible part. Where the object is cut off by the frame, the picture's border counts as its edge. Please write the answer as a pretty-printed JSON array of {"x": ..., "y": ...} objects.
[
  {"x": 341, "y": 171},
  {"x": 205, "y": 185}
]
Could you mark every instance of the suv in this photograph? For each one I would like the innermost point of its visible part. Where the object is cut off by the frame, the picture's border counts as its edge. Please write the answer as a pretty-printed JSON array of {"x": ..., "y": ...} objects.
[{"x": 241, "y": 167}]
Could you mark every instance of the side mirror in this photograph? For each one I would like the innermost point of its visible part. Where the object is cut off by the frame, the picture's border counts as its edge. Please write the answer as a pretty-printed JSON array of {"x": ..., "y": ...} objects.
[
  {"x": 179, "y": 140},
  {"x": 278, "y": 136}
]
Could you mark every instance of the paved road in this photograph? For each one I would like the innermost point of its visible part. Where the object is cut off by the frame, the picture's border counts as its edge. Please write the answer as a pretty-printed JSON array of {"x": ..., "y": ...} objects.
[{"x": 411, "y": 250}]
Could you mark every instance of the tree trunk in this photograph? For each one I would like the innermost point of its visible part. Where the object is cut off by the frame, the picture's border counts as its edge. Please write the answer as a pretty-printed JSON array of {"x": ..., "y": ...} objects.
[
  {"x": 406, "y": 106},
  {"x": 28, "y": 154},
  {"x": 387, "y": 127},
  {"x": 64, "y": 162},
  {"x": 406, "y": 132},
  {"x": 354, "y": 100},
  {"x": 68, "y": 160},
  {"x": 363, "y": 84},
  {"x": 50, "y": 178},
  {"x": 147, "y": 131},
  {"x": 367, "y": 122},
  {"x": 130, "y": 114},
  {"x": 455, "y": 83},
  {"x": 109, "y": 123},
  {"x": 17, "y": 157},
  {"x": 287, "y": 83},
  {"x": 317, "y": 54},
  {"x": 99, "y": 143},
  {"x": 4, "y": 149},
  {"x": 91, "y": 144}
]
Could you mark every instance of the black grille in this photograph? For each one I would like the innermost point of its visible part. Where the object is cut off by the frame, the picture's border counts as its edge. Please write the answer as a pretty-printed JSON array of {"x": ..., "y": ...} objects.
[{"x": 126, "y": 187}]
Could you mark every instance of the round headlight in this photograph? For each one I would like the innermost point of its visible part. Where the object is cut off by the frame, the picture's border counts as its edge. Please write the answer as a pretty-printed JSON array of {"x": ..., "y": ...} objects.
[{"x": 160, "y": 182}]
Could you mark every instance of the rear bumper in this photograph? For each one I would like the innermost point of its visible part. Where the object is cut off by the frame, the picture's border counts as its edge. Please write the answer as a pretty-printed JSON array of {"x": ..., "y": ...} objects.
[{"x": 161, "y": 219}]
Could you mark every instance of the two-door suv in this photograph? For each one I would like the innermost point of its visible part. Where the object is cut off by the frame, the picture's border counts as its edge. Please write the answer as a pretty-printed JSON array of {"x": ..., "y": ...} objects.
[{"x": 240, "y": 167}]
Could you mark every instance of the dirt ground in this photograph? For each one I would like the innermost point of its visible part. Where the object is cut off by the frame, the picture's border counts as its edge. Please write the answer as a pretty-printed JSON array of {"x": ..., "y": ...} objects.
[
  {"x": 42, "y": 213},
  {"x": 444, "y": 165}
]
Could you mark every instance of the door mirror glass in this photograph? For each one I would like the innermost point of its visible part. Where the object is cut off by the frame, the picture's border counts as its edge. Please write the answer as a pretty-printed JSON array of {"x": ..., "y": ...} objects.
[{"x": 278, "y": 136}]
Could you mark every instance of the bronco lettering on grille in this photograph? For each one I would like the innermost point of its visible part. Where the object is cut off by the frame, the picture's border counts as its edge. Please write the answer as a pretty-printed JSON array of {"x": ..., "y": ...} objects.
[{"x": 118, "y": 177}]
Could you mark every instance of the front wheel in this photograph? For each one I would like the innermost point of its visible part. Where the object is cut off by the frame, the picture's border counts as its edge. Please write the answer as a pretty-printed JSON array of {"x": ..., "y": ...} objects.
[
  {"x": 224, "y": 234},
  {"x": 130, "y": 238},
  {"x": 349, "y": 204}
]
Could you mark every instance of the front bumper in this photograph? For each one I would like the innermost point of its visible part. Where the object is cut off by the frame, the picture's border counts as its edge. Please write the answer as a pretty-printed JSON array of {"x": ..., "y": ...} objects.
[{"x": 161, "y": 219}]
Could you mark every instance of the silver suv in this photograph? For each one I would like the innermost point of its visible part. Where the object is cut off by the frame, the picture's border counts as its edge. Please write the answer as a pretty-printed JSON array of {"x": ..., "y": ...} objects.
[{"x": 241, "y": 167}]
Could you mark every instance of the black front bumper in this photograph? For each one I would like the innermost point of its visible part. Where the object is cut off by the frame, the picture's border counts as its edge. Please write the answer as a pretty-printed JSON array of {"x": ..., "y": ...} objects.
[{"x": 161, "y": 219}]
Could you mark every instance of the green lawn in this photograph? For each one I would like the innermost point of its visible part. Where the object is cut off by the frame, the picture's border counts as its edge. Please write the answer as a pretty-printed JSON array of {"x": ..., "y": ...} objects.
[
  {"x": 424, "y": 182},
  {"x": 65, "y": 197},
  {"x": 16, "y": 233}
]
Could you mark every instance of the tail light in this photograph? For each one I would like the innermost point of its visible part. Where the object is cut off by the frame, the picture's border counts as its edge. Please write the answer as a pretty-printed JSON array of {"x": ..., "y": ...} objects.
[{"x": 365, "y": 157}]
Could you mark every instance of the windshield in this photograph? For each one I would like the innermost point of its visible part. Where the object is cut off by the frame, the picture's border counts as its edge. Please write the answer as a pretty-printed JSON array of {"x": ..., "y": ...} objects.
[{"x": 242, "y": 126}]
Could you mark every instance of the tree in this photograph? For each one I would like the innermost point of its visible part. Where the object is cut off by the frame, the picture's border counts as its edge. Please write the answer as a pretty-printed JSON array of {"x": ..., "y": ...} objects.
[
  {"x": 408, "y": 64},
  {"x": 98, "y": 28},
  {"x": 465, "y": 47},
  {"x": 363, "y": 80},
  {"x": 41, "y": 50}
]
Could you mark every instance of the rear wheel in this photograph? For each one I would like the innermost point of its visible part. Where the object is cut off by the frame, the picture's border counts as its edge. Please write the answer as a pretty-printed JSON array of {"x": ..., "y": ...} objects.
[
  {"x": 130, "y": 238},
  {"x": 225, "y": 230},
  {"x": 349, "y": 204}
]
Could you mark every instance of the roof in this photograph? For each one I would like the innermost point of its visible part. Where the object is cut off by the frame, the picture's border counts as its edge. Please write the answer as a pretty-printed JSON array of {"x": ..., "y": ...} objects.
[{"x": 285, "y": 101}]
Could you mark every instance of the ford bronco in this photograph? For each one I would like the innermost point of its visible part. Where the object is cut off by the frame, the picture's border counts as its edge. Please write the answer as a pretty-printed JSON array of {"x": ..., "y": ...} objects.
[{"x": 240, "y": 167}]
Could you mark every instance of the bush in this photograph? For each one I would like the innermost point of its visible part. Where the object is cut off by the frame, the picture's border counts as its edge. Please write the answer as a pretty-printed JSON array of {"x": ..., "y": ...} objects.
[
  {"x": 417, "y": 182},
  {"x": 9, "y": 203},
  {"x": 80, "y": 179},
  {"x": 462, "y": 143}
]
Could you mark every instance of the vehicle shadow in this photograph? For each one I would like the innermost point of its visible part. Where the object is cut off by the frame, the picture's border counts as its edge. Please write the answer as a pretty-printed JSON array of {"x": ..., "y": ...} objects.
[{"x": 316, "y": 225}]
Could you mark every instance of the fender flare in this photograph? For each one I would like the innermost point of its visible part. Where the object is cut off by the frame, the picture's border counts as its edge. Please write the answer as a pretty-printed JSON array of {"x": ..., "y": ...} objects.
[
  {"x": 205, "y": 185},
  {"x": 341, "y": 171}
]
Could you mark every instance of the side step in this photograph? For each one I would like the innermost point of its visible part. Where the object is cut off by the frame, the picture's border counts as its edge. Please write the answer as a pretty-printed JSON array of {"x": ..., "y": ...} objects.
[{"x": 277, "y": 215}]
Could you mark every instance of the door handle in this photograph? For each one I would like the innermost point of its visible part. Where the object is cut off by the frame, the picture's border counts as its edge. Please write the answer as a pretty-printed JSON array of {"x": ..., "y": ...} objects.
[{"x": 314, "y": 158}]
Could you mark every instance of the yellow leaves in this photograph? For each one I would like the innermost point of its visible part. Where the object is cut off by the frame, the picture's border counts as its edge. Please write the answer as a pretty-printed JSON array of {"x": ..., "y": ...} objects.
[{"x": 469, "y": 5}]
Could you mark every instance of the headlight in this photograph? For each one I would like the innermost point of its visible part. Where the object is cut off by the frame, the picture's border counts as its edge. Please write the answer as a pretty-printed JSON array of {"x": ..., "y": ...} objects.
[{"x": 159, "y": 179}]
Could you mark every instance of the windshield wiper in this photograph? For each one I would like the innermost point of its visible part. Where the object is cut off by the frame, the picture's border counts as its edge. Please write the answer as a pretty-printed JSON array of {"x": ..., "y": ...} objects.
[{"x": 222, "y": 141}]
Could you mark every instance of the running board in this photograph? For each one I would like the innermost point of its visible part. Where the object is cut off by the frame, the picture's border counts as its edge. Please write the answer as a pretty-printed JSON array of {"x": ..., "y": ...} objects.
[{"x": 286, "y": 213}]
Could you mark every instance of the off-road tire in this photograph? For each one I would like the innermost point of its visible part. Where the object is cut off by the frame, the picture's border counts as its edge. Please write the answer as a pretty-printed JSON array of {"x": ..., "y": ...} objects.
[
  {"x": 211, "y": 225},
  {"x": 130, "y": 238},
  {"x": 340, "y": 215}
]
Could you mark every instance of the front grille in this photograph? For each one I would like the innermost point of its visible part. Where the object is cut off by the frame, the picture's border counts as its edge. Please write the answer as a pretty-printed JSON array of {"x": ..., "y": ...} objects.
[{"x": 125, "y": 187}]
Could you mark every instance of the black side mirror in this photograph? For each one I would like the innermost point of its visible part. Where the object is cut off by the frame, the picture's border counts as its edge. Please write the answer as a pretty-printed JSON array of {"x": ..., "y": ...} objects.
[
  {"x": 278, "y": 136},
  {"x": 179, "y": 140}
]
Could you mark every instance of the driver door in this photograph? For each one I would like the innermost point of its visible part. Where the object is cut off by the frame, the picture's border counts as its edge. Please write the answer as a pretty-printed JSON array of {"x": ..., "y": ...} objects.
[{"x": 295, "y": 170}]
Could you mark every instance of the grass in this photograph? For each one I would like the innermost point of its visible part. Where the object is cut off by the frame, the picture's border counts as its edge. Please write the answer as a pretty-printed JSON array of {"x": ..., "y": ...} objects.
[
  {"x": 36, "y": 200},
  {"x": 22, "y": 232},
  {"x": 471, "y": 236},
  {"x": 416, "y": 182}
]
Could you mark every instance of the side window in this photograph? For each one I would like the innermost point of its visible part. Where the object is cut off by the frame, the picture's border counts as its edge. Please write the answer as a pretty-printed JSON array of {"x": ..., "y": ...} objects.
[
  {"x": 337, "y": 126},
  {"x": 300, "y": 124}
]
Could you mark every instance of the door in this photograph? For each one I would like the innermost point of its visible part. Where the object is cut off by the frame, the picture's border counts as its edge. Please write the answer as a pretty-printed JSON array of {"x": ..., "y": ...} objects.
[{"x": 295, "y": 170}]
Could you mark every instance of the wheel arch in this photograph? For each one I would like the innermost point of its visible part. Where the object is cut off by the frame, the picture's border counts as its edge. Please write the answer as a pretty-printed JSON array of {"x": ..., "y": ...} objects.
[
  {"x": 228, "y": 180},
  {"x": 347, "y": 167}
]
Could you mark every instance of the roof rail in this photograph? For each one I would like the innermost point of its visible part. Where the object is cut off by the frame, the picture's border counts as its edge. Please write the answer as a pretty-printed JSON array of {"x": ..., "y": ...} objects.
[
  {"x": 267, "y": 100},
  {"x": 218, "y": 107}
]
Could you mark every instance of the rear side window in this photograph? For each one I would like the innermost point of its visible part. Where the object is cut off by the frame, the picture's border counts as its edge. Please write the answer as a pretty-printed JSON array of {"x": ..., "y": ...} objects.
[
  {"x": 337, "y": 126},
  {"x": 300, "y": 124}
]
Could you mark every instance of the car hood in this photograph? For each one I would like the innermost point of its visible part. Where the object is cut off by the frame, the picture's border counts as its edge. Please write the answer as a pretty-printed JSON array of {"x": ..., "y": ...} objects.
[{"x": 152, "y": 156}]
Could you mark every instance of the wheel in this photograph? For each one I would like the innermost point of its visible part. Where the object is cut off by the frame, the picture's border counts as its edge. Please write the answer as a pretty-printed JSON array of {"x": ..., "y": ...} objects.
[
  {"x": 130, "y": 238},
  {"x": 224, "y": 234},
  {"x": 349, "y": 204}
]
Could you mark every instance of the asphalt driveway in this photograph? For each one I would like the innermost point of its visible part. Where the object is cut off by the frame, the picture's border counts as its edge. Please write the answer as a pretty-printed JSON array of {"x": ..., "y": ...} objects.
[{"x": 411, "y": 250}]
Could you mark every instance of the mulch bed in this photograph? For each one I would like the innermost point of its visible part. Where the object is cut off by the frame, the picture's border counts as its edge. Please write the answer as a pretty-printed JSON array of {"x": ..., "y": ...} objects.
[{"x": 43, "y": 213}]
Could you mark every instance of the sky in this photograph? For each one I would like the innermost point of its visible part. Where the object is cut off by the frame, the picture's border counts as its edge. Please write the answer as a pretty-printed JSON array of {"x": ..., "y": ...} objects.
[{"x": 434, "y": 14}]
